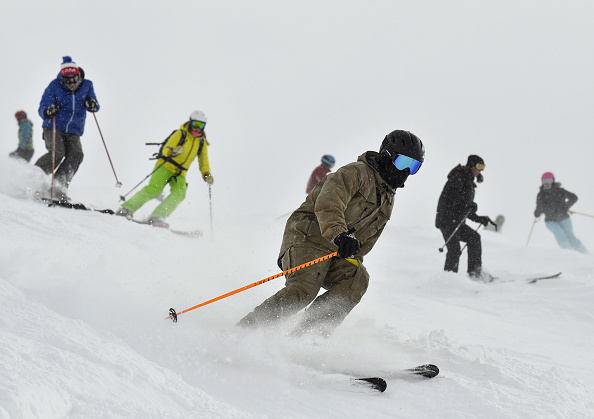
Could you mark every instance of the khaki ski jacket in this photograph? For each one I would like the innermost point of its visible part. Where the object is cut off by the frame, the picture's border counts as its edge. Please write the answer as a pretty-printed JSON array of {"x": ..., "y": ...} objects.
[{"x": 354, "y": 197}]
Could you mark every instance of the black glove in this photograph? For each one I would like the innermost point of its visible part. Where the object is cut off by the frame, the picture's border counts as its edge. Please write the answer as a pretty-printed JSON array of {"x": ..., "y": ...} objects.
[
  {"x": 484, "y": 220},
  {"x": 91, "y": 104},
  {"x": 472, "y": 208},
  {"x": 536, "y": 214},
  {"x": 348, "y": 245},
  {"x": 50, "y": 111}
]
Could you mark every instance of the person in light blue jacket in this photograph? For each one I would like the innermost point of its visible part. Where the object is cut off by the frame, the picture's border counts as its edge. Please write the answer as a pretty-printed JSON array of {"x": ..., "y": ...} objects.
[
  {"x": 25, "y": 149},
  {"x": 64, "y": 106}
]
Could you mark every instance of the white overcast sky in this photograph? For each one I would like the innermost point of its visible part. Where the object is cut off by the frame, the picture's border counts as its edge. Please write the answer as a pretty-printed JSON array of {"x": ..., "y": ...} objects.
[{"x": 286, "y": 82}]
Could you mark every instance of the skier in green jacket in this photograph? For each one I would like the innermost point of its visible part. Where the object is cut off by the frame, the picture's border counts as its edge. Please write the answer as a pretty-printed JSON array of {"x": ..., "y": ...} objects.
[{"x": 183, "y": 146}]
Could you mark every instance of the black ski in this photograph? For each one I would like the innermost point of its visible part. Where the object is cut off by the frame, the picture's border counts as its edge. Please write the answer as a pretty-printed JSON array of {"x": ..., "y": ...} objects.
[
  {"x": 528, "y": 279},
  {"x": 427, "y": 370},
  {"x": 380, "y": 384},
  {"x": 533, "y": 280},
  {"x": 376, "y": 383},
  {"x": 77, "y": 206}
]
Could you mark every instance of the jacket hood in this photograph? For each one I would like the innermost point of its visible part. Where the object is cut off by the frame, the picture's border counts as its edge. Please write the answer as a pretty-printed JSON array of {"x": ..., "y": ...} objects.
[
  {"x": 371, "y": 159},
  {"x": 458, "y": 170},
  {"x": 461, "y": 171}
]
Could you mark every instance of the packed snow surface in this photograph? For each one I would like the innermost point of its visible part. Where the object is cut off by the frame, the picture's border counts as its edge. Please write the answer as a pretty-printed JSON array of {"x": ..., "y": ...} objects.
[
  {"x": 84, "y": 300},
  {"x": 84, "y": 296}
]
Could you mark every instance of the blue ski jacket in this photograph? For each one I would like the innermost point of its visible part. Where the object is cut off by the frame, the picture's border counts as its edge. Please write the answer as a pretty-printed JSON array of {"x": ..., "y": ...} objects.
[{"x": 72, "y": 113}]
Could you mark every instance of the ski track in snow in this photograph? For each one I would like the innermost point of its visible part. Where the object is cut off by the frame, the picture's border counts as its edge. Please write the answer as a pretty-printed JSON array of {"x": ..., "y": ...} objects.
[{"x": 83, "y": 298}]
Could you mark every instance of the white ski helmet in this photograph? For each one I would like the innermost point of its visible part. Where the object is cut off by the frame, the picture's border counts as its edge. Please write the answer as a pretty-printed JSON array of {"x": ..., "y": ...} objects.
[{"x": 198, "y": 116}]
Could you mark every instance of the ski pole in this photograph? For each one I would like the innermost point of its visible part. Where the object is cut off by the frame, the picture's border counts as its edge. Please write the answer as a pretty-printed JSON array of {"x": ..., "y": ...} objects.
[
  {"x": 531, "y": 228},
  {"x": 118, "y": 183},
  {"x": 173, "y": 315},
  {"x": 53, "y": 155},
  {"x": 455, "y": 230},
  {"x": 581, "y": 213},
  {"x": 284, "y": 215},
  {"x": 210, "y": 203},
  {"x": 123, "y": 197}
]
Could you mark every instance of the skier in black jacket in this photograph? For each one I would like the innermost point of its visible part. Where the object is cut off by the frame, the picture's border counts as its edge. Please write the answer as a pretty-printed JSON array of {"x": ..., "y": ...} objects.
[
  {"x": 554, "y": 202},
  {"x": 456, "y": 203}
]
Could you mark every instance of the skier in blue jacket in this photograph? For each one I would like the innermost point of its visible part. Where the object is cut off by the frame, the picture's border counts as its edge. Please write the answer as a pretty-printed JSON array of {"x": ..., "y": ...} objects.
[{"x": 65, "y": 103}]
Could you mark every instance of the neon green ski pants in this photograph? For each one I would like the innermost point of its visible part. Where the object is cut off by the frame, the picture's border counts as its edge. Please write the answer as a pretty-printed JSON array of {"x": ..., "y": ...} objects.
[{"x": 159, "y": 179}]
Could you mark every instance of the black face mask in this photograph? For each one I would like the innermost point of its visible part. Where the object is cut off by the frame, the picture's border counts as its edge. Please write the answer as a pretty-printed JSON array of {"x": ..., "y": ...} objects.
[{"x": 393, "y": 177}]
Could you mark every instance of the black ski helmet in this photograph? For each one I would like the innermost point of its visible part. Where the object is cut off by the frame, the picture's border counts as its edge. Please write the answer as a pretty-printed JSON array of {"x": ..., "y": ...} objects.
[{"x": 402, "y": 142}]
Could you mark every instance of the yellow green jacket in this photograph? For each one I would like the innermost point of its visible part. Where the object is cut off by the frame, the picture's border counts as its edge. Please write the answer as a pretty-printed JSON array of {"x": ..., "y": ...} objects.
[{"x": 188, "y": 152}]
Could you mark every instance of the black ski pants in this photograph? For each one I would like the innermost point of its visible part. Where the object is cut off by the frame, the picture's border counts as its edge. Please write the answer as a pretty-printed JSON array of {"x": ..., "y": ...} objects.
[
  {"x": 69, "y": 155},
  {"x": 21, "y": 153},
  {"x": 473, "y": 242}
]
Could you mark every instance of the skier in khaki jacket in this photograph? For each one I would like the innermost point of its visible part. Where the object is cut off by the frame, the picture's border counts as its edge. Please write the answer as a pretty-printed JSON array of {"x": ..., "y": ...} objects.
[{"x": 347, "y": 211}]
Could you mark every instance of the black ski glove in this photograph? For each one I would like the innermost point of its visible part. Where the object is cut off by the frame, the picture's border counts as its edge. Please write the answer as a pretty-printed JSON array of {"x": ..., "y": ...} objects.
[
  {"x": 348, "y": 245},
  {"x": 50, "y": 111},
  {"x": 472, "y": 208},
  {"x": 91, "y": 104},
  {"x": 484, "y": 220}
]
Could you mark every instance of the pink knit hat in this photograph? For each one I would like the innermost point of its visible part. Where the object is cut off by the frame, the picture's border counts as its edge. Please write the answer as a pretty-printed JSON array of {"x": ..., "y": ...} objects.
[{"x": 547, "y": 175}]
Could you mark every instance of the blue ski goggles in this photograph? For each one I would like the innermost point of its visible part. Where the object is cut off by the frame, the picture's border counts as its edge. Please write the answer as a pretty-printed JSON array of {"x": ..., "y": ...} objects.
[
  {"x": 197, "y": 124},
  {"x": 404, "y": 162}
]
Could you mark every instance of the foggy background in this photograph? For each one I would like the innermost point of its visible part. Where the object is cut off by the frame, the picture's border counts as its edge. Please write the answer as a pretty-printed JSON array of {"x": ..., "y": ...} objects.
[{"x": 284, "y": 83}]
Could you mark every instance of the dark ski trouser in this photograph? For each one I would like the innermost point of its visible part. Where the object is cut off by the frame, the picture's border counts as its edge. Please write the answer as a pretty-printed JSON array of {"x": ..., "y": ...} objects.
[
  {"x": 345, "y": 283},
  {"x": 22, "y": 153},
  {"x": 473, "y": 242},
  {"x": 69, "y": 155}
]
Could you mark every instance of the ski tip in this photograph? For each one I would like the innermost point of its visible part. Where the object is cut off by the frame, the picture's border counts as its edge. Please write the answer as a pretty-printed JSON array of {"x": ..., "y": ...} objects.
[
  {"x": 192, "y": 234},
  {"x": 376, "y": 383},
  {"x": 427, "y": 370},
  {"x": 534, "y": 280}
]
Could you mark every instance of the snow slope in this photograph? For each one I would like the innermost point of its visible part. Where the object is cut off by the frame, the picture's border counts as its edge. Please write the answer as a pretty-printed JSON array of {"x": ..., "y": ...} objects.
[{"x": 84, "y": 297}]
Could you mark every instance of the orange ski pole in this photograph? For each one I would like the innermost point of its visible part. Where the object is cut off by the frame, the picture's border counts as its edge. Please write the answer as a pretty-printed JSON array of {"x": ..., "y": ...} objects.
[{"x": 173, "y": 315}]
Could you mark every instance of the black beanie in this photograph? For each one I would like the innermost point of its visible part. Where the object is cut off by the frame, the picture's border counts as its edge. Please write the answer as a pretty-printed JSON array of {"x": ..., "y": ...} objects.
[{"x": 473, "y": 160}]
